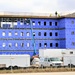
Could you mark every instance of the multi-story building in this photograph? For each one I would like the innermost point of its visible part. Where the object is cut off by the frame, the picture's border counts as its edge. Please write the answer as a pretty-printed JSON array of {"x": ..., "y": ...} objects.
[{"x": 49, "y": 32}]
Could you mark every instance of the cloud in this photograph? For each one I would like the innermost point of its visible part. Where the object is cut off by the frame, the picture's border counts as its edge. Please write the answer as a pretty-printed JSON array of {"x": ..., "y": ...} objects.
[
  {"x": 66, "y": 5},
  {"x": 41, "y": 6}
]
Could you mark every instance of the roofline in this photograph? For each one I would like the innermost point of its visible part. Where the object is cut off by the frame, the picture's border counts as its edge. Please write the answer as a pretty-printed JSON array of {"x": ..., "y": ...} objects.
[{"x": 31, "y": 16}]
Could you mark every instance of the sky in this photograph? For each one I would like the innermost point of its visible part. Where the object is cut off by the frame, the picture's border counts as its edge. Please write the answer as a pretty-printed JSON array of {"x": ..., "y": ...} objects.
[{"x": 37, "y": 6}]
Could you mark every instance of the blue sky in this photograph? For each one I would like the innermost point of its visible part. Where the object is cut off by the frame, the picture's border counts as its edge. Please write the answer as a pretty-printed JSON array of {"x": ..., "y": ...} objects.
[{"x": 37, "y": 6}]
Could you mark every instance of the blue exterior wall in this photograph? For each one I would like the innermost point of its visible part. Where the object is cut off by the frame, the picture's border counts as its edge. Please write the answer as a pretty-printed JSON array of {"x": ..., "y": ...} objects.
[
  {"x": 63, "y": 29},
  {"x": 70, "y": 33}
]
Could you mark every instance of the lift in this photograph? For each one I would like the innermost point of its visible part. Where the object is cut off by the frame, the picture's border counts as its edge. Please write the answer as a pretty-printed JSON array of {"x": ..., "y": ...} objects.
[{"x": 33, "y": 41}]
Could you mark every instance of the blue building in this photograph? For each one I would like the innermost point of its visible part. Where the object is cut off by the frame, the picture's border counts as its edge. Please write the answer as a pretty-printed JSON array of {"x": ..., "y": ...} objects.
[{"x": 49, "y": 32}]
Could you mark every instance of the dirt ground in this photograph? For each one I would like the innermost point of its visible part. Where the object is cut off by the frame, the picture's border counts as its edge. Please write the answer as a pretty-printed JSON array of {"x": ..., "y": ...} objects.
[{"x": 52, "y": 73}]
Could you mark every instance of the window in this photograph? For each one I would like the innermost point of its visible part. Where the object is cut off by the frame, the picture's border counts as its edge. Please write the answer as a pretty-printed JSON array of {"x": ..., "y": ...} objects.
[
  {"x": 10, "y": 44},
  {"x": 45, "y": 44},
  {"x": 21, "y": 23},
  {"x": 73, "y": 43},
  {"x": 33, "y": 22},
  {"x": 56, "y": 23},
  {"x": 45, "y": 34},
  {"x": 56, "y": 34},
  {"x": 50, "y": 23},
  {"x": 22, "y": 34},
  {"x": 9, "y": 34},
  {"x": 15, "y": 19},
  {"x": 3, "y": 33},
  {"x": 72, "y": 33},
  {"x": 28, "y": 44},
  {"x": 71, "y": 52},
  {"x": 44, "y": 23},
  {"x": 39, "y": 23},
  {"x": 50, "y": 33},
  {"x": 21, "y": 19},
  {"x": 39, "y": 33},
  {"x": 3, "y": 45},
  {"x": 56, "y": 44},
  {"x": 16, "y": 44},
  {"x": 39, "y": 44},
  {"x": 51, "y": 44},
  {"x": 28, "y": 34},
  {"x": 72, "y": 22},
  {"x": 22, "y": 44},
  {"x": 27, "y": 23},
  {"x": 16, "y": 33},
  {"x": 33, "y": 33}
]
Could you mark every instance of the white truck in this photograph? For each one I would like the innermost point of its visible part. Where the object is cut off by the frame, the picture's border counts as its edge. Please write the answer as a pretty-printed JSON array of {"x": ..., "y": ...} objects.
[
  {"x": 50, "y": 57},
  {"x": 53, "y": 57},
  {"x": 51, "y": 62},
  {"x": 14, "y": 60}
]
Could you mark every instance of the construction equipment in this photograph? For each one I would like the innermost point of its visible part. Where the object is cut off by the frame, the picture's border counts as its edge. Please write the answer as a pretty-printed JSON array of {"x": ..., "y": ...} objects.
[{"x": 33, "y": 41}]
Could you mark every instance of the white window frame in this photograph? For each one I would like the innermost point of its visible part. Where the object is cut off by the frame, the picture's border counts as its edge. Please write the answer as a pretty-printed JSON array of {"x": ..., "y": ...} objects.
[
  {"x": 28, "y": 44},
  {"x": 16, "y": 44},
  {"x": 33, "y": 33},
  {"x": 16, "y": 33},
  {"x": 10, "y": 34},
  {"x": 21, "y": 34},
  {"x": 3, "y": 34},
  {"x": 33, "y": 23},
  {"x": 10, "y": 44},
  {"x": 28, "y": 34},
  {"x": 4, "y": 44}
]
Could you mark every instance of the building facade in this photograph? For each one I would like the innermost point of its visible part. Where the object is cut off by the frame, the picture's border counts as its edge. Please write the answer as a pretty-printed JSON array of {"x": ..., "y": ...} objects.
[{"x": 49, "y": 32}]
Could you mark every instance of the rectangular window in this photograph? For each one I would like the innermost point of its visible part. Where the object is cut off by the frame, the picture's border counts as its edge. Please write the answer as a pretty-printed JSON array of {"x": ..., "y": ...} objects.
[
  {"x": 28, "y": 44},
  {"x": 28, "y": 34},
  {"x": 33, "y": 22},
  {"x": 3, "y": 33},
  {"x": 10, "y": 44},
  {"x": 72, "y": 33},
  {"x": 56, "y": 23},
  {"x": 71, "y": 52},
  {"x": 3, "y": 45},
  {"x": 39, "y": 44},
  {"x": 72, "y": 22},
  {"x": 56, "y": 44},
  {"x": 16, "y": 45},
  {"x": 45, "y": 34},
  {"x": 44, "y": 23},
  {"x": 50, "y": 23},
  {"x": 22, "y": 44},
  {"x": 10, "y": 34},
  {"x": 51, "y": 44},
  {"x": 33, "y": 33},
  {"x": 45, "y": 44},
  {"x": 16, "y": 33},
  {"x": 73, "y": 43},
  {"x": 21, "y": 23},
  {"x": 39, "y": 23},
  {"x": 15, "y": 19},
  {"x": 50, "y": 33},
  {"x": 22, "y": 34},
  {"x": 56, "y": 34},
  {"x": 39, "y": 33}
]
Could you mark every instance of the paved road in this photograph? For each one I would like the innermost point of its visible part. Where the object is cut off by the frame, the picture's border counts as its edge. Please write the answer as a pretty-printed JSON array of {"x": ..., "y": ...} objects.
[{"x": 52, "y": 73}]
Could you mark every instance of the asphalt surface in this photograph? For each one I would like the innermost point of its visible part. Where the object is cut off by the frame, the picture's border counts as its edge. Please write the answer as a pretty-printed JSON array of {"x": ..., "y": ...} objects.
[{"x": 48, "y": 73}]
